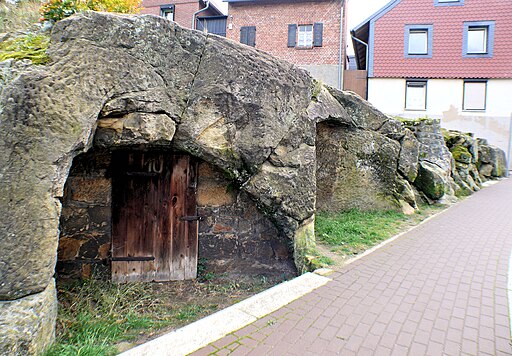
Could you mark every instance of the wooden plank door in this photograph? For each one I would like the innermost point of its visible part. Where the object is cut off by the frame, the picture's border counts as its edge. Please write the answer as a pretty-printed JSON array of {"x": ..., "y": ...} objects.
[{"x": 154, "y": 225}]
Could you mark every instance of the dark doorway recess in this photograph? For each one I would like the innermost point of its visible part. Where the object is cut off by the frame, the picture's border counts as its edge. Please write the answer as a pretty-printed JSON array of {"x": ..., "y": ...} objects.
[{"x": 154, "y": 219}]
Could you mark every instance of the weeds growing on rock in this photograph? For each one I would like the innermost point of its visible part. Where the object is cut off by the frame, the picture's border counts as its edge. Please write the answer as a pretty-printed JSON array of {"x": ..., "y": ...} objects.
[{"x": 29, "y": 46}]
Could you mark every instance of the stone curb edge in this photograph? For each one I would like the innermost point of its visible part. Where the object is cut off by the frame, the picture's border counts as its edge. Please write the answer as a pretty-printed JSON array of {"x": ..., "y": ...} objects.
[{"x": 213, "y": 327}]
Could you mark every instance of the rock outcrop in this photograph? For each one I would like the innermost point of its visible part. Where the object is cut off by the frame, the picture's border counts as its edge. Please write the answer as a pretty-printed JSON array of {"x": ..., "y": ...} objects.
[
  {"x": 144, "y": 81},
  {"x": 288, "y": 143},
  {"x": 491, "y": 161},
  {"x": 365, "y": 159},
  {"x": 464, "y": 150},
  {"x": 434, "y": 178}
]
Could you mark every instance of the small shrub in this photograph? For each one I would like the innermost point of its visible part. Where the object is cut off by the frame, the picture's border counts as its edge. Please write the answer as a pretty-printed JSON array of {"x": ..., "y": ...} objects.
[{"x": 30, "y": 46}]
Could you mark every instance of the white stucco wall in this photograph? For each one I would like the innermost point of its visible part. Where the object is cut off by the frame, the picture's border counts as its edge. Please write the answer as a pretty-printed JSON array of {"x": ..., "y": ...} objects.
[{"x": 444, "y": 101}]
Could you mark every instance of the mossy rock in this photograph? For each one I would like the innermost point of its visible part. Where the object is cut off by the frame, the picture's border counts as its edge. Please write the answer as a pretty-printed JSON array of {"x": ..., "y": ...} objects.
[
  {"x": 461, "y": 154},
  {"x": 431, "y": 181}
]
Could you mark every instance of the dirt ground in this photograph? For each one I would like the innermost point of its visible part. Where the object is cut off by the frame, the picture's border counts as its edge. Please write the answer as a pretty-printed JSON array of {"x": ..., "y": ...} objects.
[{"x": 196, "y": 299}]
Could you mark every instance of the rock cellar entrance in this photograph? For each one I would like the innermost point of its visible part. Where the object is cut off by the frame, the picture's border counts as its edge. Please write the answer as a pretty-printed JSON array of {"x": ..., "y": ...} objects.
[{"x": 149, "y": 215}]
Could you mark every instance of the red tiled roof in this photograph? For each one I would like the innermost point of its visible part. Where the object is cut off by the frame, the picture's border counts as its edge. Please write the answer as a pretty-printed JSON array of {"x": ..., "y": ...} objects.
[{"x": 447, "y": 60}]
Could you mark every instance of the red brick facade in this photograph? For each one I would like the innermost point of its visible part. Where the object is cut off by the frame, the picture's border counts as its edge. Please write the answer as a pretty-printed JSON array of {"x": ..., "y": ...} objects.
[
  {"x": 447, "y": 46},
  {"x": 184, "y": 9},
  {"x": 272, "y": 18}
]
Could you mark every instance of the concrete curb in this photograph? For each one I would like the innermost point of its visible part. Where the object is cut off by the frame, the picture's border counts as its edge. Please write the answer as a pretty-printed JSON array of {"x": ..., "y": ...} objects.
[{"x": 211, "y": 328}]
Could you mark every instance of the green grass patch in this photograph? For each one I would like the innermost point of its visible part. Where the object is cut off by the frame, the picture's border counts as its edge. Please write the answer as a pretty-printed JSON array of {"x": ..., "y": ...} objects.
[
  {"x": 353, "y": 232},
  {"x": 30, "y": 46},
  {"x": 96, "y": 315}
]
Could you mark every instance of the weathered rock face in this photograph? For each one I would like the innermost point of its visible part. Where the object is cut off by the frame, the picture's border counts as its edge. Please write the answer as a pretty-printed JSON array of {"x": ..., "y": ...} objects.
[
  {"x": 27, "y": 324},
  {"x": 365, "y": 159},
  {"x": 356, "y": 169},
  {"x": 491, "y": 162},
  {"x": 144, "y": 82},
  {"x": 464, "y": 150},
  {"x": 435, "y": 160},
  {"x": 474, "y": 161}
]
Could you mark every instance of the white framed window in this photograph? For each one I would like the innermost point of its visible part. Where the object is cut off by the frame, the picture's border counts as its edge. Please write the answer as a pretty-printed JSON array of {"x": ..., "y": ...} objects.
[
  {"x": 475, "y": 95},
  {"x": 415, "y": 95},
  {"x": 305, "y": 37},
  {"x": 167, "y": 11},
  {"x": 418, "y": 41},
  {"x": 477, "y": 40}
]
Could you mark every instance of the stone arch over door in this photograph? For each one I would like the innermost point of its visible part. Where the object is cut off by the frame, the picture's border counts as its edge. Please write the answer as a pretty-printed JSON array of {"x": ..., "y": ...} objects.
[{"x": 151, "y": 83}]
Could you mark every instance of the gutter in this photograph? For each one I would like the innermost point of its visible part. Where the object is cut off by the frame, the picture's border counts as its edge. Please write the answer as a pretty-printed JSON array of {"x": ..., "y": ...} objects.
[
  {"x": 340, "y": 59},
  {"x": 199, "y": 11}
]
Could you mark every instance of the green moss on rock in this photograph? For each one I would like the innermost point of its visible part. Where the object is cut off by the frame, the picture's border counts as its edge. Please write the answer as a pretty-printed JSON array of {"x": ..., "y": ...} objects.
[{"x": 461, "y": 154}]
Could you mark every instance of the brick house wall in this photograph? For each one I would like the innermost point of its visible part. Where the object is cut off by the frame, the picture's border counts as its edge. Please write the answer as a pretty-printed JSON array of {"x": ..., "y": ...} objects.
[
  {"x": 184, "y": 9},
  {"x": 448, "y": 27},
  {"x": 271, "y": 19}
]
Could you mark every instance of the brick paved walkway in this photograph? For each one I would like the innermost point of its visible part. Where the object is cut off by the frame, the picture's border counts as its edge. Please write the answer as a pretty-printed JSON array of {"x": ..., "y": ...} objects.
[{"x": 440, "y": 289}]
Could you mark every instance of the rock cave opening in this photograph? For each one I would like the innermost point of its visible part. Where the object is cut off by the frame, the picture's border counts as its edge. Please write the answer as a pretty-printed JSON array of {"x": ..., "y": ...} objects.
[{"x": 152, "y": 214}]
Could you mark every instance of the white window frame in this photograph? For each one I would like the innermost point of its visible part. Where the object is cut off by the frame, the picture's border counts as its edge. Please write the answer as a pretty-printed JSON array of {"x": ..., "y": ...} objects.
[
  {"x": 426, "y": 32},
  {"x": 167, "y": 10},
  {"x": 413, "y": 33},
  {"x": 410, "y": 104},
  {"x": 470, "y": 89},
  {"x": 485, "y": 40},
  {"x": 305, "y": 36},
  {"x": 488, "y": 41}
]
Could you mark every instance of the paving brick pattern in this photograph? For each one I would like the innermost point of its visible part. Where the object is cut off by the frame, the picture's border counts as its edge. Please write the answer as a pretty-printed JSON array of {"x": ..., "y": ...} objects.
[{"x": 440, "y": 289}]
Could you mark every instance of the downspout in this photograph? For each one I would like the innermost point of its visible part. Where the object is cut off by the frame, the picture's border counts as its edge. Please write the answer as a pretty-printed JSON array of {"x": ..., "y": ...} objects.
[
  {"x": 197, "y": 12},
  {"x": 340, "y": 59}
]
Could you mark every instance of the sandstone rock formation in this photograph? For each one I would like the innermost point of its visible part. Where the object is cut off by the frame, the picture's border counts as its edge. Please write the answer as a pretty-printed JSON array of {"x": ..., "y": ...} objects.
[
  {"x": 491, "y": 161},
  {"x": 366, "y": 162},
  {"x": 434, "y": 178},
  {"x": 288, "y": 143}
]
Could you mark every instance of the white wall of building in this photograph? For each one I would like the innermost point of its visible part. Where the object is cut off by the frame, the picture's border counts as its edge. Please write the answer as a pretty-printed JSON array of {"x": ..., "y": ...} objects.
[{"x": 444, "y": 101}]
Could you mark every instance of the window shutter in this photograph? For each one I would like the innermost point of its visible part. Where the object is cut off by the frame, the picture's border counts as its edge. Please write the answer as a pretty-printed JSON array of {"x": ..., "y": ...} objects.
[
  {"x": 244, "y": 35},
  {"x": 318, "y": 32},
  {"x": 248, "y": 35},
  {"x": 251, "y": 37},
  {"x": 292, "y": 35}
]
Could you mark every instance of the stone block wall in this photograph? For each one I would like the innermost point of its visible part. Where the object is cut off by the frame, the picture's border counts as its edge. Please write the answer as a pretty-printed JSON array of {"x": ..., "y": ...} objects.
[
  {"x": 234, "y": 237},
  {"x": 85, "y": 223}
]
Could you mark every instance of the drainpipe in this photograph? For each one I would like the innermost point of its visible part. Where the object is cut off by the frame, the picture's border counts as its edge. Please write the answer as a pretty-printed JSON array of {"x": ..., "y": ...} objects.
[
  {"x": 340, "y": 59},
  {"x": 197, "y": 12}
]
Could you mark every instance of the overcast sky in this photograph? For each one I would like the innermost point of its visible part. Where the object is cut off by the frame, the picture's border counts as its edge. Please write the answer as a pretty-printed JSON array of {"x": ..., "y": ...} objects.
[{"x": 360, "y": 10}]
